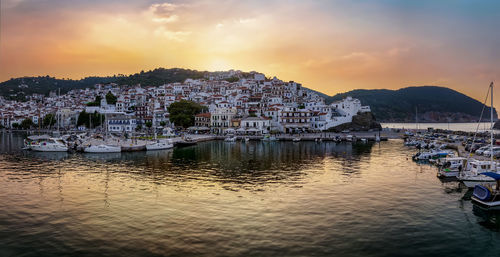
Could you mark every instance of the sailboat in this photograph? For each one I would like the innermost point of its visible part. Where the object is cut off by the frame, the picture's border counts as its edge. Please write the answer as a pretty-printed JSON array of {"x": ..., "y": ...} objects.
[
  {"x": 102, "y": 147},
  {"x": 473, "y": 175}
]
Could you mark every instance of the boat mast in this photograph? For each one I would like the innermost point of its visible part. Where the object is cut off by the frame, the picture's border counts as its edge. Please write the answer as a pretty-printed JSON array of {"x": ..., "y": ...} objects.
[
  {"x": 416, "y": 117},
  {"x": 491, "y": 127}
]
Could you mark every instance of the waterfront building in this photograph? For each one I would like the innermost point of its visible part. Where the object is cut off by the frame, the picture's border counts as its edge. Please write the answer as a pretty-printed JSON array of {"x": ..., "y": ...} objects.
[{"x": 120, "y": 122}]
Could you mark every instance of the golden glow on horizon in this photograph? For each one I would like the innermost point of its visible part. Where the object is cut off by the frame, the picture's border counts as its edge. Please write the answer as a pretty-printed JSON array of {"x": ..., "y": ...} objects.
[{"x": 324, "y": 48}]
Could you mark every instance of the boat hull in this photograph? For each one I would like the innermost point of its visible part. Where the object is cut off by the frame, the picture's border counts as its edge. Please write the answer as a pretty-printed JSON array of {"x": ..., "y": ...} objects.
[
  {"x": 471, "y": 183},
  {"x": 487, "y": 204},
  {"x": 102, "y": 149},
  {"x": 158, "y": 146},
  {"x": 49, "y": 148}
]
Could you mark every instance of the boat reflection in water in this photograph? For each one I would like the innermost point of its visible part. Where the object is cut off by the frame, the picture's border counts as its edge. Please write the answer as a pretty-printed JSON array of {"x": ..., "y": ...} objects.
[
  {"x": 488, "y": 218},
  {"x": 55, "y": 156}
]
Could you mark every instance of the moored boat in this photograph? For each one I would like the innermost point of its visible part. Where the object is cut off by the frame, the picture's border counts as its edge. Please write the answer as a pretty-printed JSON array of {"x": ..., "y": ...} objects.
[
  {"x": 486, "y": 196},
  {"x": 473, "y": 176},
  {"x": 160, "y": 145},
  {"x": 50, "y": 145},
  {"x": 452, "y": 167},
  {"x": 230, "y": 139},
  {"x": 102, "y": 148},
  {"x": 186, "y": 142}
]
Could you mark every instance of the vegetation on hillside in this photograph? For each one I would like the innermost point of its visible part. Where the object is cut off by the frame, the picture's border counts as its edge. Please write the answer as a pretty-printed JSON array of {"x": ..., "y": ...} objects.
[
  {"x": 432, "y": 103},
  {"x": 182, "y": 113},
  {"x": 18, "y": 88}
]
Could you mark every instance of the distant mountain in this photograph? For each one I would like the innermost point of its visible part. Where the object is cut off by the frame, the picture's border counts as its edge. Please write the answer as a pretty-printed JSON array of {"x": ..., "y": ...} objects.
[
  {"x": 17, "y": 88},
  {"x": 434, "y": 104}
]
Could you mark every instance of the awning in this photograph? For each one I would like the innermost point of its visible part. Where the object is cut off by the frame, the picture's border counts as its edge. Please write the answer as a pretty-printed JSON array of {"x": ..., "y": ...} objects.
[{"x": 494, "y": 175}]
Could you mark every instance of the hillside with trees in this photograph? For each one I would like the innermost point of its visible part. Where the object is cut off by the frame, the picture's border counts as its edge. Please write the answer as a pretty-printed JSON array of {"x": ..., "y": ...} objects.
[{"x": 433, "y": 104}]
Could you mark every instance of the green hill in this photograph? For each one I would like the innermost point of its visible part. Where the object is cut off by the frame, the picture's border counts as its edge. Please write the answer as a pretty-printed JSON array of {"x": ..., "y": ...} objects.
[
  {"x": 434, "y": 104},
  {"x": 17, "y": 88}
]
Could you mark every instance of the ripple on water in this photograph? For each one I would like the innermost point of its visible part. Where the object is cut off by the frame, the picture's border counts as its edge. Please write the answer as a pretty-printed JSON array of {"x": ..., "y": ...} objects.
[{"x": 254, "y": 199}]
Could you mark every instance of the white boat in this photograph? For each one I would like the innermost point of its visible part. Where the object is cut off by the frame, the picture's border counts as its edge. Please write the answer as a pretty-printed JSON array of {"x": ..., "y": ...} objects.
[
  {"x": 432, "y": 154},
  {"x": 102, "y": 148},
  {"x": 452, "y": 167},
  {"x": 296, "y": 139},
  {"x": 230, "y": 139},
  {"x": 246, "y": 139},
  {"x": 486, "y": 196},
  {"x": 364, "y": 140},
  {"x": 473, "y": 176},
  {"x": 49, "y": 145},
  {"x": 160, "y": 145}
]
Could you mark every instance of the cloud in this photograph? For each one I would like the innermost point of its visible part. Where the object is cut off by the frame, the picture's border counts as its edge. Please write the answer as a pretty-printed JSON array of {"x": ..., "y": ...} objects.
[
  {"x": 179, "y": 36},
  {"x": 169, "y": 19},
  {"x": 163, "y": 10}
]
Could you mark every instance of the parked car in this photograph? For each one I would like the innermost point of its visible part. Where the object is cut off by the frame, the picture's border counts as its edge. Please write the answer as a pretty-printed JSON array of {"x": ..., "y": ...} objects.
[
  {"x": 481, "y": 150},
  {"x": 489, "y": 152},
  {"x": 473, "y": 146}
]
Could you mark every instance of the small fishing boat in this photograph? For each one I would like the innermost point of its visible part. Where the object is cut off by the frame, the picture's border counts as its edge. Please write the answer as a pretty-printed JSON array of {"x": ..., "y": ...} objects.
[
  {"x": 472, "y": 176},
  {"x": 296, "y": 139},
  {"x": 159, "y": 145},
  {"x": 486, "y": 196},
  {"x": 452, "y": 167},
  {"x": 102, "y": 148}
]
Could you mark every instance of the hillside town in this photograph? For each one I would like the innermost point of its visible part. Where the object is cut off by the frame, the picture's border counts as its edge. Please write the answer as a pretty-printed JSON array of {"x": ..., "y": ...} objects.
[{"x": 247, "y": 105}]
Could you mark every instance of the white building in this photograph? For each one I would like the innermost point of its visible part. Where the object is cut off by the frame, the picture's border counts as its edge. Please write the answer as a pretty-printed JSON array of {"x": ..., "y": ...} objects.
[
  {"x": 220, "y": 119},
  {"x": 342, "y": 111},
  {"x": 257, "y": 125},
  {"x": 120, "y": 122}
]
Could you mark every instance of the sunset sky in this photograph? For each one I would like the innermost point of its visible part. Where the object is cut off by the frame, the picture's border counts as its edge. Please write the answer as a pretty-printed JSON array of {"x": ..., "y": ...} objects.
[{"x": 330, "y": 46}]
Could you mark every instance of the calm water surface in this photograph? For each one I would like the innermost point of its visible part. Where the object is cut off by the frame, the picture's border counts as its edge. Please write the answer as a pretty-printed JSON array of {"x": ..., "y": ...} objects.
[
  {"x": 465, "y": 126},
  {"x": 236, "y": 199}
]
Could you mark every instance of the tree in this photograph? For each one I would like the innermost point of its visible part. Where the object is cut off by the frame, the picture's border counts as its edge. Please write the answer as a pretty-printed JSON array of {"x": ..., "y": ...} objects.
[
  {"x": 139, "y": 127},
  {"x": 110, "y": 98},
  {"x": 84, "y": 118},
  {"x": 96, "y": 102},
  {"x": 27, "y": 123},
  {"x": 15, "y": 125},
  {"x": 182, "y": 113},
  {"x": 162, "y": 123},
  {"x": 149, "y": 124},
  {"x": 232, "y": 79},
  {"x": 49, "y": 120}
]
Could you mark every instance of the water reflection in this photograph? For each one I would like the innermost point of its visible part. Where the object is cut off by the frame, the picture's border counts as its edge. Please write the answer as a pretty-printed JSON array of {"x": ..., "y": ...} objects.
[
  {"x": 487, "y": 218},
  {"x": 254, "y": 199}
]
